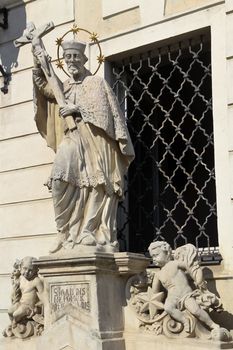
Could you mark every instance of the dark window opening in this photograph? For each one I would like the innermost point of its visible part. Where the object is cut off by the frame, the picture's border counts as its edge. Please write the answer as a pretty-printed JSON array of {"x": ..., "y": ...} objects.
[{"x": 170, "y": 192}]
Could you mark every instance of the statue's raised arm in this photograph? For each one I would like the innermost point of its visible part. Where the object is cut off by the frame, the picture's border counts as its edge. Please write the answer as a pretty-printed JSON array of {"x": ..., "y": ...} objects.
[{"x": 34, "y": 36}]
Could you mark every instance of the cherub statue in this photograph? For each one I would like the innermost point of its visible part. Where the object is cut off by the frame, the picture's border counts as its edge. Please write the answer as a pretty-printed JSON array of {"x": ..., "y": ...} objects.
[
  {"x": 183, "y": 309},
  {"x": 174, "y": 279},
  {"x": 27, "y": 299}
]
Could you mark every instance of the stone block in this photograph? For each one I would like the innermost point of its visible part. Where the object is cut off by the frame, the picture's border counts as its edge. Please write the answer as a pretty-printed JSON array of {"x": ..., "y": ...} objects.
[
  {"x": 84, "y": 298},
  {"x": 16, "y": 344},
  {"x": 24, "y": 152},
  {"x": 110, "y": 8},
  {"x": 229, "y": 80},
  {"x": 173, "y": 7},
  {"x": 19, "y": 248},
  {"x": 17, "y": 121},
  {"x": 70, "y": 334},
  {"x": 38, "y": 12},
  {"x": 18, "y": 91},
  {"x": 151, "y": 11},
  {"x": 230, "y": 131},
  {"x": 41, "y": 211},
  {"x": 24, "y": 184},
  {"x": 229, "y": 5},
  {"x": 5, "y": 285},
  {"x": 231, "y": 170},
  {"x": 143, "y": 341},
  {"x": 229, "y": 31}
]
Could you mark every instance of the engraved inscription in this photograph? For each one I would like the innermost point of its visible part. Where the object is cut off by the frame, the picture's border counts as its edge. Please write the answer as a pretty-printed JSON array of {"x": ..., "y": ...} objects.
[{"x": 74, "y": 294}]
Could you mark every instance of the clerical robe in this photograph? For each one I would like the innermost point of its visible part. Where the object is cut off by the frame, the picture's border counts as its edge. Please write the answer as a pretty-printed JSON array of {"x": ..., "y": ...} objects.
[{"x": 87, "y": 177}]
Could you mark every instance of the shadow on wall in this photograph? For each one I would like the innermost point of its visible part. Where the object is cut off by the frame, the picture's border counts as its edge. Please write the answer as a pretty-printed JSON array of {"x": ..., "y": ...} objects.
[
  {"x": 8, "y": 52},
  {"x": 224, "y": 318}
]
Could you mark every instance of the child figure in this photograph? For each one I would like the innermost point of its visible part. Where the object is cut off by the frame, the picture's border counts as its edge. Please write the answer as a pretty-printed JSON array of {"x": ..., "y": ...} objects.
[
  {"x": 28, "y": 292},
  {"x": 173, "y": 278}
]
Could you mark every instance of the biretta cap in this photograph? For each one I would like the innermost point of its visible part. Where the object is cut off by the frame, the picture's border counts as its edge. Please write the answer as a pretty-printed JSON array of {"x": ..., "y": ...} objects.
[{"x": 74, "y": 44}]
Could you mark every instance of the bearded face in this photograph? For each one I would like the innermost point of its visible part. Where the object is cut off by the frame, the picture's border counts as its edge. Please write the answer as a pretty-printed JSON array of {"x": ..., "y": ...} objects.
[{"x": 75, "y": 61}]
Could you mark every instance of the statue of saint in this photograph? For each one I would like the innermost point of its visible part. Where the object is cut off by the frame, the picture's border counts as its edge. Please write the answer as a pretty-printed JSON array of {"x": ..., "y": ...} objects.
[{"x": 87, "y": 177}]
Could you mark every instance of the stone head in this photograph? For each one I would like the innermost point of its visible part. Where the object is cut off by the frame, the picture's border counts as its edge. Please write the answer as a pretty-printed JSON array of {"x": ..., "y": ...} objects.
[
  {"x": 74, "y": 56},
  {"x": 160, "y": 252},
  {"x": 28, "y": 270}
]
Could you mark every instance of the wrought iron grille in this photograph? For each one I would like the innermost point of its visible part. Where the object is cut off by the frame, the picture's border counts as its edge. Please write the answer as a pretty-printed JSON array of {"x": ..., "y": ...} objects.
[{"x": 170, "y": 192}]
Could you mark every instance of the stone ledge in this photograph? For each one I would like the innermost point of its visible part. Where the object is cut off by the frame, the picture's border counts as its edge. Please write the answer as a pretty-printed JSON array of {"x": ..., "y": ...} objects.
[
  {"x": 152, "y": 342},
  {"x": 122, "y": 263}
]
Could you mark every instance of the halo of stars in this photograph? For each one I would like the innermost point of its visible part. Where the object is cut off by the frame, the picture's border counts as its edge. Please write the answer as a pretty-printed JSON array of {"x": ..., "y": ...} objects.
[{"x": 93, "y": 38}]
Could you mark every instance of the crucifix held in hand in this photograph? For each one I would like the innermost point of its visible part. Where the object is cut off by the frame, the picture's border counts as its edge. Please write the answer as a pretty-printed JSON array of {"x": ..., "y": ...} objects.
[{"x": 33, "y": 35}]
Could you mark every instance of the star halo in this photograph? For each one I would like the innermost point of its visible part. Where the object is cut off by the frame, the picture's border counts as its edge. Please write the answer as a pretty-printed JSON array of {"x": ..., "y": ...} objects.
[{"x": 93, "y": 38}]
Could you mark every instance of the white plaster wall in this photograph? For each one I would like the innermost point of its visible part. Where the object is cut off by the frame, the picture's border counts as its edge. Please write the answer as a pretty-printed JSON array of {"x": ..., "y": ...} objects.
[
  {"x": 34, "y": 217},
  {"x": 111, "y": 8},
  {"x": 17, "y": 123}
]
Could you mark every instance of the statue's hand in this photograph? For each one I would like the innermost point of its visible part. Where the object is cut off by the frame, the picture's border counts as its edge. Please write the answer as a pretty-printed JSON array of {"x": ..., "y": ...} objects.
[
  {"x": 202, "y": 286},
  {"x": 37, "y": 56},
  {"x": 41, "y": 57},
  {"x": 68, "y": 110}
]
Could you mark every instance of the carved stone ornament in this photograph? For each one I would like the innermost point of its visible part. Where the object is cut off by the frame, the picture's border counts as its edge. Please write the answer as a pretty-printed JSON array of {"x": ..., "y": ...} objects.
[
  {"x": 164, "y": 301},
  {"x": 82, "y": 122},
  {"x": 26, "y": 310}
]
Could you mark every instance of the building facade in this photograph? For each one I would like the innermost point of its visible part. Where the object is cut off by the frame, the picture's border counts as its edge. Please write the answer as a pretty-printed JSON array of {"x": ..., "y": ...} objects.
[{"x": 171, "y": 64}]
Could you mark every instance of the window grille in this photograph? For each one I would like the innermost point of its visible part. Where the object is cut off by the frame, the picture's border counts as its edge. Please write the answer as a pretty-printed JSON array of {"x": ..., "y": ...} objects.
[{"x": 170, "y": 187}]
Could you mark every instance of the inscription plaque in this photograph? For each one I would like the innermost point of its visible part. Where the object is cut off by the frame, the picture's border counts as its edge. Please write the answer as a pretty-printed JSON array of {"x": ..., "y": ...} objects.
[{"x": 76, "y": 294}]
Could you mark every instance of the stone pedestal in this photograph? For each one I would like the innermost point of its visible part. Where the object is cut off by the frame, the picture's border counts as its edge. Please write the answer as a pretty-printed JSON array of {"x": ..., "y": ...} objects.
[{"x": 84, "y": 300}]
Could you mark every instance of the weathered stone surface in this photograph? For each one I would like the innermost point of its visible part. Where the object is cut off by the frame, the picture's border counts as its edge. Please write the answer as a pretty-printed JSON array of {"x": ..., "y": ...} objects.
[
  {"x": 84, "y": 299},
  {"x": 86, "y": 128},
  {"x": 33, "y": 149},
  {"x": 42, "y": 223},
  {"x": 144, "y": 341},
  {"x": 26, "y": 317},
  {"x": 17, "y": 123},
  {"x": 26, "y": 184},
  {"x": 177, "y": 6},
  {"x": 183, "y": 311}
]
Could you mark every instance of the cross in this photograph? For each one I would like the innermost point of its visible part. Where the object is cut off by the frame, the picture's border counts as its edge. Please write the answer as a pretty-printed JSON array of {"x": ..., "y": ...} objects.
[{"x": 33, "y": 35}]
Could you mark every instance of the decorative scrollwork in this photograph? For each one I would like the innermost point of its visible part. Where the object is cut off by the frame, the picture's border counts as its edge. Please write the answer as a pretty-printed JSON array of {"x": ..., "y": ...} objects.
[{"x": 180, "y": 311}]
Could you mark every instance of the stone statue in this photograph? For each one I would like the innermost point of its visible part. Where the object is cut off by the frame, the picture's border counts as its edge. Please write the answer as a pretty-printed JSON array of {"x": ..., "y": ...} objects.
[
  {"x": 91, "y": 158},
  {"x": 185, "y": 309},
  {"x": 26, "y": 311}
]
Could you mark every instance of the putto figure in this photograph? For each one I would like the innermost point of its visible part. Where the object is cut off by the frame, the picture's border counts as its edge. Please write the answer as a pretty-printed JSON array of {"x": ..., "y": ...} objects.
[
  {"x": 173, "y": 278},
  {"x": 92, "y": 157},
  {"x": 182, "y": 310},
  {"x": 26, "y": 312}
]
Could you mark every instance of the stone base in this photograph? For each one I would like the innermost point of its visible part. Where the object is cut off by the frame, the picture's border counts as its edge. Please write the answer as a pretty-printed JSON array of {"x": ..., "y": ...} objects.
[
  {"x": 141, "y": 341},
  {"x": 84, "y": 299},
  {"x": 70, "y": 334},
  {"x": 18, "y": 344}
]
